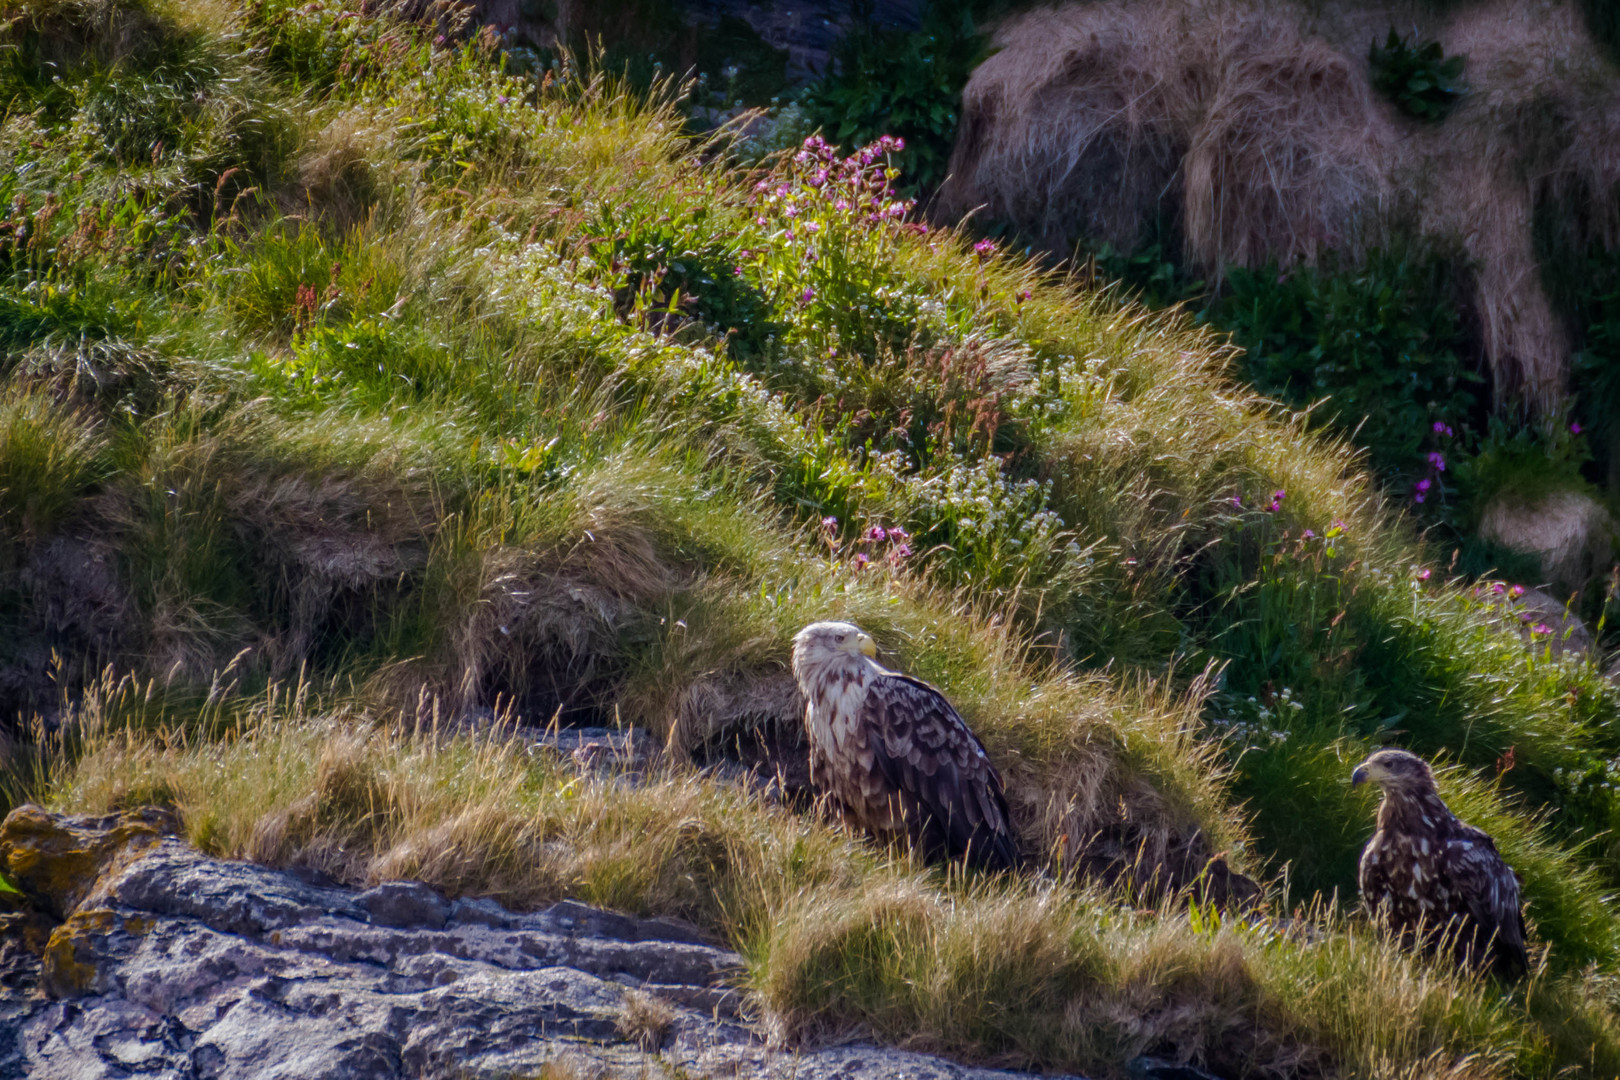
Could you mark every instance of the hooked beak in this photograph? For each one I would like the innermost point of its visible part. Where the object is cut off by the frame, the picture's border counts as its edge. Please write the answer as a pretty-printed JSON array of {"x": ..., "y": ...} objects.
[
  {"x": 867, "y": 645},
  {"x": 1358, "y": 777}
]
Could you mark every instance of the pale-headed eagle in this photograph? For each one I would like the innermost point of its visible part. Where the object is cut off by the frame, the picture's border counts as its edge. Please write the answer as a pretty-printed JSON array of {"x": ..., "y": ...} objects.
[
  {"x": 892, "y": 754},
  {"x": 1425, "y": 871}
]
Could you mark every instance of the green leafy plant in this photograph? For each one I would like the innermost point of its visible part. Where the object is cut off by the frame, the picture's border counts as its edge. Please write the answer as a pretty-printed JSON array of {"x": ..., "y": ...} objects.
[
  {"x": 830, "y": 226},
  {"x": 681, "y": 265},
  {"x": 1379, "y": 345},
  {"x": 889, "y": 82},
  {"x": 1517, "y": 460},
  {"x": 1418, "y": 77}
]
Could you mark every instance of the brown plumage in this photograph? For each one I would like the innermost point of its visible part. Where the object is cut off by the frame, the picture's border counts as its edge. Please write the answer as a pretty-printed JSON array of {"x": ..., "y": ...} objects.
[
  {"x": 892, "y": 754},
  {"x": 1426, "y": 871}
]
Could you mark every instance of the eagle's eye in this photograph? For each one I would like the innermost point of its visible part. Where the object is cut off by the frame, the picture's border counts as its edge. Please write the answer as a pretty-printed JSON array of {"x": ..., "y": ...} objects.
[{"x": 842, "y": 638}]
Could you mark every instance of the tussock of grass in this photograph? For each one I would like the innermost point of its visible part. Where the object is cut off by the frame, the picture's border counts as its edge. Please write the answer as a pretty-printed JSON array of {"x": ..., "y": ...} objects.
[{"x": 431, "y": 415}]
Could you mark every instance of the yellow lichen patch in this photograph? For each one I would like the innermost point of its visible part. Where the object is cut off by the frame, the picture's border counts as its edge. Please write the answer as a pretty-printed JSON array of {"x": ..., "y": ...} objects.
[
  {"x": 58, "y": 862},
  {"x": 70, "y": 966}
]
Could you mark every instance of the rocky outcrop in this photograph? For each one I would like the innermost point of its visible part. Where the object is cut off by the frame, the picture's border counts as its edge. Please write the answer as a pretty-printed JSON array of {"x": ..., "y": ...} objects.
[
  {"x": 135, "y": 954},
  {"x": 1544, "y": 621},
  {"x": 1568, "y": 532},
  {"x": 806, "y": 31}
]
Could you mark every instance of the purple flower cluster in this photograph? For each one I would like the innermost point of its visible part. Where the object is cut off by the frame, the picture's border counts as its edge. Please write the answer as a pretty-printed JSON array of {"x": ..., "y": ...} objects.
[
  {"x": 897, "y": 539},
  {"x": 855, "y": 182},
  {"x": 891, "y": 545},
  {"x": 1276, "y": 501},
  {"x": 1436, "y": 462}
]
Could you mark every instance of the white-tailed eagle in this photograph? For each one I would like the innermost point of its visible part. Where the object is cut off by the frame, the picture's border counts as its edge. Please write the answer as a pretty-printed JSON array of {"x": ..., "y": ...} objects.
[
  {"x": 893, "y": 755},
  {"x": 1426, "y": 872}
]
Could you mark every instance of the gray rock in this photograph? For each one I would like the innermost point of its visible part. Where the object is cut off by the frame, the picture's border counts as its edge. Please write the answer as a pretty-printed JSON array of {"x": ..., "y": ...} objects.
[
  {"x": 177, "y": 965},
  {"x": 1569, "y": 532},
  {"x": 405, "y": 904},
  {"x": 1542, "y": 620}
]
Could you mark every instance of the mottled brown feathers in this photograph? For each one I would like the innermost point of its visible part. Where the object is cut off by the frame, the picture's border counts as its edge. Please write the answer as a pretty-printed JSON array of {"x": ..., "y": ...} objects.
[
  {"x": 1424, "y": 871},
  {"x": 893, "y": 755}
]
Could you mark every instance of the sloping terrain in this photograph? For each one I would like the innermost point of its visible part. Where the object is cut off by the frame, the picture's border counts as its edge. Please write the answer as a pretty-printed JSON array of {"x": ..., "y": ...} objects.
[{"x": 365, "y": 401}]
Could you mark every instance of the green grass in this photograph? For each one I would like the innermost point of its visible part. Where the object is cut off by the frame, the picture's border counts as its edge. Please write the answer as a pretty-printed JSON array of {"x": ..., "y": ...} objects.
[{"x": 477, "y": 392}]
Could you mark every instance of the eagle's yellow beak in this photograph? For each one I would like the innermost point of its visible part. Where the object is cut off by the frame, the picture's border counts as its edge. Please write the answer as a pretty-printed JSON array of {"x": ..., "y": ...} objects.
[{"x": 866, "y": 645}]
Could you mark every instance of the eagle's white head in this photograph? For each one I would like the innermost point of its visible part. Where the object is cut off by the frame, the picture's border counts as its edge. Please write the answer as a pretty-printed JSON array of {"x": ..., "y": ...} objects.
[
  {"x": 833, "y": 664},
  {"x": 822, "y": 645}
]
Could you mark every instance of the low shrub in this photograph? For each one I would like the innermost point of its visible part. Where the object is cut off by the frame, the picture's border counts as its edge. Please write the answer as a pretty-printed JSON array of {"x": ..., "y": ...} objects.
[
  {"x": 1416, "y": 76},
  {"x": 905, "y": 84},
  {"x": 1377, "y": 349}
]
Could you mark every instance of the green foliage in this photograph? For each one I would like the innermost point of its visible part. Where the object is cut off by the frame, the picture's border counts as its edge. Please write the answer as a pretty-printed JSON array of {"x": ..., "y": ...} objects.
[
  {"x": 144, "y": 90},
  {"x": 372, "y": 361},
  {"x": 49, "y": 458},
  {"x": 678, "y": 265},
  {"x": 1523, "y": 462},
  {"x": 890, "y": 82},
  {"x": 1378, "y": 345},
  {"x": 1151, "y": 273},
  {"x": 328, "y": 48},
  {"x": 828, "y": 230},
  {"x": 1590, "y": 292},
  {"x": 294, "y": 276},
  {"x": 739, "y": 66},
  {"x": 1419, "y": 78}
]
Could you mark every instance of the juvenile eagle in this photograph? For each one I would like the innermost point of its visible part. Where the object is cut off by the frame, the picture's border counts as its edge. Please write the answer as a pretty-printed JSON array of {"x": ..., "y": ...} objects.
[
  {"x": 894, "y": 756},
  {"x": 1425, "y": 869}
]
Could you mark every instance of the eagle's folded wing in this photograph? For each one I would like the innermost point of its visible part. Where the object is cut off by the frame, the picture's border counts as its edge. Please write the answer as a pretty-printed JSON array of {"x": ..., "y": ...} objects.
[
  {"x": 945, "y": 781},
  {"x": 1486, "y": 889}
]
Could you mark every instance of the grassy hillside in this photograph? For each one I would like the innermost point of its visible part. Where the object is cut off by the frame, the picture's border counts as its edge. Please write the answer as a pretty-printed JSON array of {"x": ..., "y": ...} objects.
[{"x": 357, "y": 389}]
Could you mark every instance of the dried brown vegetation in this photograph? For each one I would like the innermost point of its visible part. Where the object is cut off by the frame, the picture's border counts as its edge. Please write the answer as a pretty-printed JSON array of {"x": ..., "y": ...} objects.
[{"x": 1253, "y": 125}]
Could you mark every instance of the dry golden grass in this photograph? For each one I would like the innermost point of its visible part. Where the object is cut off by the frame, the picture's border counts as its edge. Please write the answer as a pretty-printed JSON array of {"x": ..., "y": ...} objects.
[
  {"x": 838, "y": 938},
  {"x": 645, "y": 1019}
]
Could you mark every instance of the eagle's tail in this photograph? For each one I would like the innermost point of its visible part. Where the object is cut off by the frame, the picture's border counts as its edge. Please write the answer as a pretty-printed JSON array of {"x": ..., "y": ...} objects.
[{"x": 993, "y": 850}]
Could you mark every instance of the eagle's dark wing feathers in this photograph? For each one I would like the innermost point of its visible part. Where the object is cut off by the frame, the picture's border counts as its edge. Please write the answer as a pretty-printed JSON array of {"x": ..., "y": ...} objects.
[
  {"x": 1448, "y": 876},
  {"x": 949, "y": 792},
  {"x": 1485, "y": 887}
]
